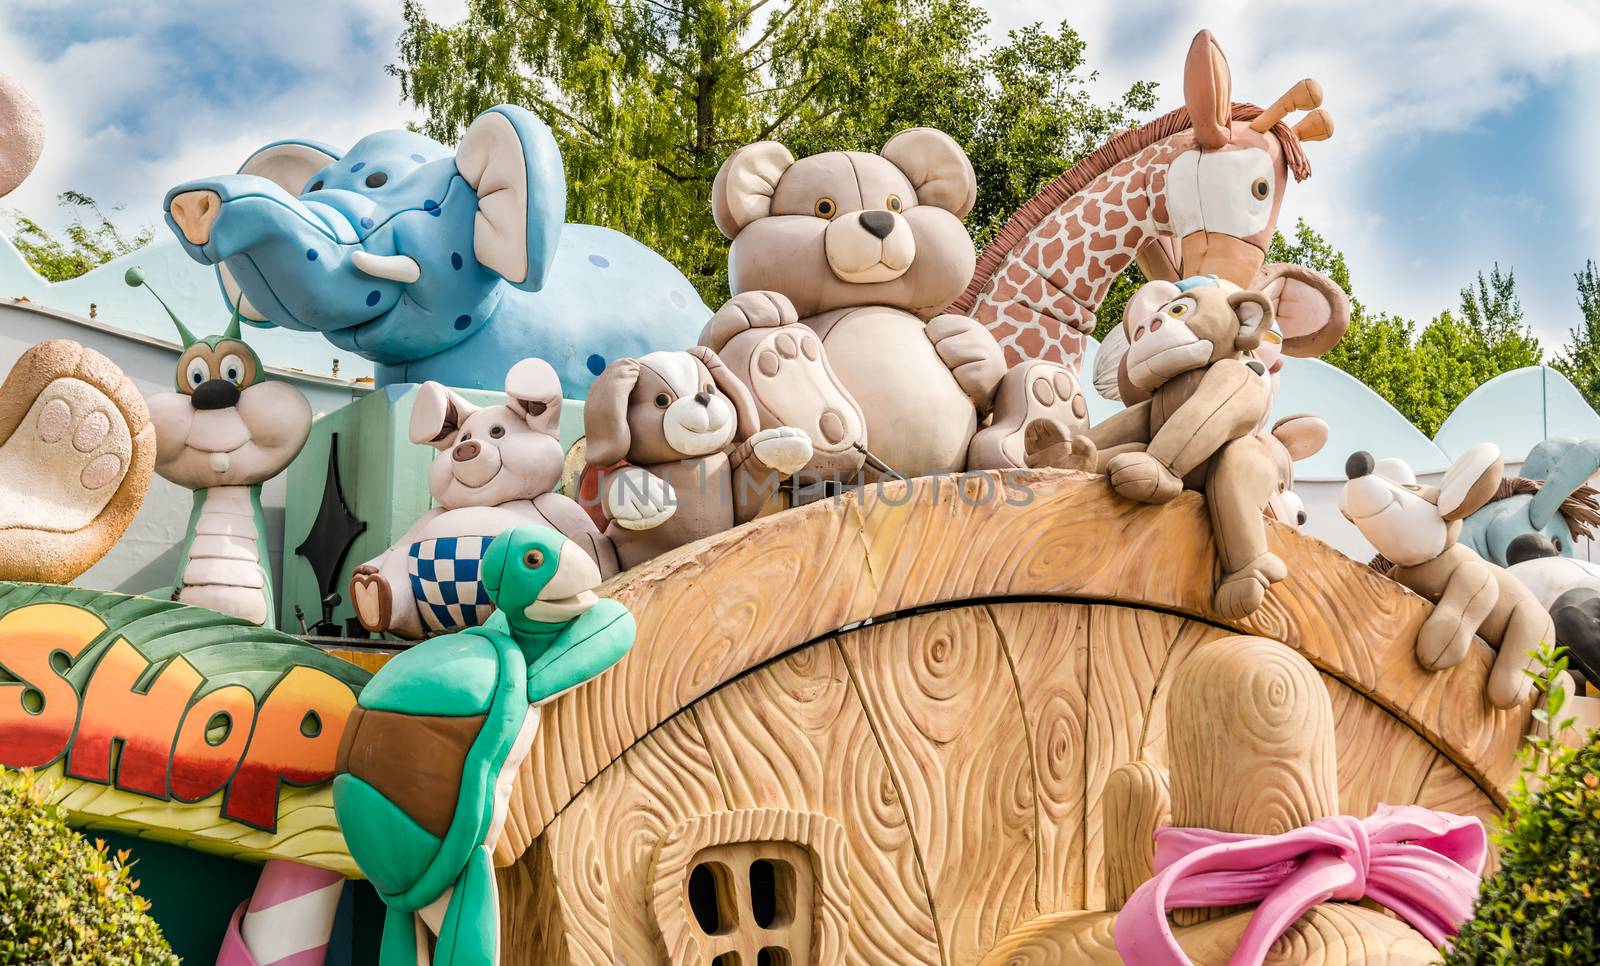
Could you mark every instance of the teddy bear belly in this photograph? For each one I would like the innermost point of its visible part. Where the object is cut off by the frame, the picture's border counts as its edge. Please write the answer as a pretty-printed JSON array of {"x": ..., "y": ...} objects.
[{"x": 918, "y": 420}]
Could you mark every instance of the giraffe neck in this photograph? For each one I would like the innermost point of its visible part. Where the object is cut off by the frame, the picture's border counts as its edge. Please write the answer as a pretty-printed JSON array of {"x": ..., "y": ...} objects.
[{"x": 227, "y": 567}]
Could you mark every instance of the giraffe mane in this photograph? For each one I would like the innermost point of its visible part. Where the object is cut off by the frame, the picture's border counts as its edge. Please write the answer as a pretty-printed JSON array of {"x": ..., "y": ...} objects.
[{"x": 1121, "y": 147}]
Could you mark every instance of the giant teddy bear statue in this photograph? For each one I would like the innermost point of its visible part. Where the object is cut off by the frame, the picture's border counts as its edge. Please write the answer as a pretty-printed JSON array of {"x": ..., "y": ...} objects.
[
  {"x": 436, "y": 266},
  {"x": 839, "y": 266}
]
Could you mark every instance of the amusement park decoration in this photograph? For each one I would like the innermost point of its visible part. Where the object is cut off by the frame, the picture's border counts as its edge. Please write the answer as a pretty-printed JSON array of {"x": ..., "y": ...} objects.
[
  {"x": 333, "y": 530},
  {"x": 862, "y": 250},
  {"x": 1206, "y": 394},
  {"x": 1195, "y": 192},
  {"x": 696, "y": 460},
  {"x": 1293, "y": 438},
  {"x": 227, "y": 430},
  {"x": 429, "y": 756},
  {"x": 1038, "y": 407},
  {"x": 1570, "y": 590},
  {"x": 1550, "y": 497},
  {"x": 21, "y": 135},
  {"x": 76, "y": 449},
  {"x": 497, "y": 468},
  {"x": 1417, "y": 531},
  {"x": 435, "y": 265}
]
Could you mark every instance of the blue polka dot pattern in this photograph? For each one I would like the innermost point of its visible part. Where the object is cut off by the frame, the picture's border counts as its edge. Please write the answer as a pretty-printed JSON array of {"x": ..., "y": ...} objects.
[
  {"x": 455, "y": 261},
  {"x": 676, "y": 298},
  {"x": 311, "y": 254},
  {"x": 436, "y": 210},
  {"x": 366, "y": 223},
  {"x": 599, "y": 261},
  {"x": 596, "y": 363},
  {"x": 462, "y": 321},
  {"x": 373, "y": 297},
  {"x": 429, "y": 205},
  {"x": 419, "y": 159},
  {"x": 357, "y": 166}
]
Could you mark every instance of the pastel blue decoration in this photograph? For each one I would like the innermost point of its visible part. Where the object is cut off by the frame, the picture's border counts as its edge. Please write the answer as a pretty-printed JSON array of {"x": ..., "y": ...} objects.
[
  {"x": 1561, "y": 466},
  {"x": 435, "y": 265}
]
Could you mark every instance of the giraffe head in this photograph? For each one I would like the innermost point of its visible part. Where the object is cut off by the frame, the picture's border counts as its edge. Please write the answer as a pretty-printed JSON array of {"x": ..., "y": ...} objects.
[{"x": 1225, "y": 184}]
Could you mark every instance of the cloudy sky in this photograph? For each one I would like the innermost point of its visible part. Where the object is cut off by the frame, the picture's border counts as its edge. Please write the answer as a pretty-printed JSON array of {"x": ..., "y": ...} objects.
[{"x": 1465, "y": 130}]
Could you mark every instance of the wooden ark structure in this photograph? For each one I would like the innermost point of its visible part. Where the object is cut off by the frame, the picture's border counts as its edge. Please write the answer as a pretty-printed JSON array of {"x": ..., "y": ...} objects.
[{"x": 882, "y": 729}]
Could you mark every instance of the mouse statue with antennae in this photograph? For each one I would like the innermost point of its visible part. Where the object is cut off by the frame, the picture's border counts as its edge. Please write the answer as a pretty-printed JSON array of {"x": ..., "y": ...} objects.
[{"x": 223, "y": 433}]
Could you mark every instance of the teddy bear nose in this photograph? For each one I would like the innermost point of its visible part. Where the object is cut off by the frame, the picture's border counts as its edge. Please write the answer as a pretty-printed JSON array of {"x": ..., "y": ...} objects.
[
  {"x": 466, "y": 451},
  {"x": 879, "y": 223},
  {"x": 216, "y": 394},
  {"x": 703, "y": 398},
  {"x": 1358, "y": 465}
]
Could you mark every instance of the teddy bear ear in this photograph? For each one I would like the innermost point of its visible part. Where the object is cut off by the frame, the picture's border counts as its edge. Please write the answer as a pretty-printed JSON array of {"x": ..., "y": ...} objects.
[
  {"x": 936, "y": 167},
  {"x": 742, "y": 191},
  {"x": 1470, "y": 482}
]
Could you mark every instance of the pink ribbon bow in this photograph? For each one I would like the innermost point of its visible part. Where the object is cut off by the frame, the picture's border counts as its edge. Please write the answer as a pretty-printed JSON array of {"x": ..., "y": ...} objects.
[{"x": 1423, "y": 865}]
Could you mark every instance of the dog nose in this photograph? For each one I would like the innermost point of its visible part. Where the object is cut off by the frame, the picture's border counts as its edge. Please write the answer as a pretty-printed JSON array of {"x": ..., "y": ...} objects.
[
  {"x": 880, "y": 223},
  {"x": 703, "y": 398},
  {"x": 216, "y": 394},
  {"x": 465, "y": 451},
  {"x": 1359, "y": 464},
  {"x": 194, "y": 211}
]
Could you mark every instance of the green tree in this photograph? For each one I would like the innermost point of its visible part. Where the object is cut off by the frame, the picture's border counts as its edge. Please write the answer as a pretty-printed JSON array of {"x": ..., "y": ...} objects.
[
  {"x": 647, "y": 97},
  {"x": 1492, "y": 312},
  {"x": 1579, "y": 359},
  {"x": 91, "y": 239}
]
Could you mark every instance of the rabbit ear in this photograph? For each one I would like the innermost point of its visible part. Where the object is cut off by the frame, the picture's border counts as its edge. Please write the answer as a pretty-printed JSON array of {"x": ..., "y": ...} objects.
[
  {"x": 744, "y": 404},
  {"x": 436, "y": 416},
  {"x": 605, "y": 414}
]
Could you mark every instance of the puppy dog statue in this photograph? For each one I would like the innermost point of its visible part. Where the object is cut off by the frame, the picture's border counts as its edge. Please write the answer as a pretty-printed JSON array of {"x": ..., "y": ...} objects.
[
  {"x": 1293, "y": 438},
  {"x": 497, "y": 468},
  {"x": 697, "y": 460},
  {"x": 1417, "y": 529}
]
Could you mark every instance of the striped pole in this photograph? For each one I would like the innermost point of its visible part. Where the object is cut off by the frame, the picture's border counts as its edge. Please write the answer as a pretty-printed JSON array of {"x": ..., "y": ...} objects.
[{"x": 287, "y": 920}]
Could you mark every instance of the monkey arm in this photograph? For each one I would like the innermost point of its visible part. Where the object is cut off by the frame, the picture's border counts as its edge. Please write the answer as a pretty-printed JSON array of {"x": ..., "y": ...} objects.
[
  {"x": 1131, "y": 425},
  {"x": 1229, "y": 404}
]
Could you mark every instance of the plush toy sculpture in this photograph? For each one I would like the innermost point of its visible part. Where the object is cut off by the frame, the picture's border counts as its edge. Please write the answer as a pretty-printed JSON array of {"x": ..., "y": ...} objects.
[
  {"x": 497, "y": 468},
  {"x": 1040, "y": 419},
  {"x": 436, "y": 266},
  {"x": 76, "y": 448},
  {"x": 1293, "y": 438},
  {"x": 428, "y": 757},
  {"x": 1551, "y": 497},
  {"x": 1570, "y": 590},
  {"x": 862, "y": 250},
  {"x": 698, "y": 463},
  {"x": 21, "y": 135},
  {"x": 1417, "y": 529},
  {"x": 226, "y": 431},
  {"x": 1207, "y": 396}
]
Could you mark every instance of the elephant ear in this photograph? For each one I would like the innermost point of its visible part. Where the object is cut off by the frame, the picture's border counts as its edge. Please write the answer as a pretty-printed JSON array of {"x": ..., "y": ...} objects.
[
  {"x": 1309, "y": 309},
  {"x": 510, "y": 159},
  {"x": 290, "y": 164}
]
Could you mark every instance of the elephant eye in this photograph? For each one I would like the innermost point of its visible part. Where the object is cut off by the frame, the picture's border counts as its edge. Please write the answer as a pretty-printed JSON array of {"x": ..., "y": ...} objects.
[
  {"x": 662, "y": 400},
  {"x": 1259, "y": 189},
  {"x": 315, "y": 186},
  {"x": 533, "y": 559},
  {"x": 825, "y": 208},
  {"x": 377, "y": 179},
  {"x": 894, "y": 203},
  {"x": 497, "y": 431}
]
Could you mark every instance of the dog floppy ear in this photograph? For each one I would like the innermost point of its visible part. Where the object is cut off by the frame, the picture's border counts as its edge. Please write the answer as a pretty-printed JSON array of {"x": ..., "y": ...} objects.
[
  {"x": 1470, "y": 482},
  {"x": 742, "y": 191},
  {"x": 437, "y": 415},
  {"x": 1302, "y": 434},
  {"x": 1254, "y": 311},
  {"x": 605, "y": 414},
  {"x": 937, "y": 168},
  {"x": 533, "y": 391},
  {"x": 744, "y": 404}
]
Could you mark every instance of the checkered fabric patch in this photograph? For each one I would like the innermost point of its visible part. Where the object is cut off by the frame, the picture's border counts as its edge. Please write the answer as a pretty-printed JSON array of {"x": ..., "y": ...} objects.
[{"x": 444, "y": 580}]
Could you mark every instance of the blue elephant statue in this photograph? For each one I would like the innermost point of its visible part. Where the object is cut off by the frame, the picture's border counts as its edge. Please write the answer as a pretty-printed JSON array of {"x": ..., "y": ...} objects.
[
  {"x": 435, "y": 265},
  {"x": 1551, "y": 497}
]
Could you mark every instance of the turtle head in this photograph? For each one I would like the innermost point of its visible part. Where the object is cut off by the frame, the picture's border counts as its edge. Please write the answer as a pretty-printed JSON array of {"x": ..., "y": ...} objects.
[{"x": 536, "y": 576}]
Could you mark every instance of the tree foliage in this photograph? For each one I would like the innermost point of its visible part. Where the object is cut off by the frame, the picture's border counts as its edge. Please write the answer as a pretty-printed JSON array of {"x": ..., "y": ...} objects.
[
  {"x": 1579, "y": 360},
  {"x": 647, "y": 97},
  {"x": 90, "y": 240}
]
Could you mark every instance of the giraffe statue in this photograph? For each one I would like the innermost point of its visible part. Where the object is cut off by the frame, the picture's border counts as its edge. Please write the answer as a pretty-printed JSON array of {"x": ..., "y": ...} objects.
[{"x": 1195, "y": 192}]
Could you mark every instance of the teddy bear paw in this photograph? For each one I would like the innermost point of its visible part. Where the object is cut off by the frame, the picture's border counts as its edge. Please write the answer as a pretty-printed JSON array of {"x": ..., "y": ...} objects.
[
  {"x": 1047, "y": 444},
  {"x": 637, "y": 499},
  {"x": 369, "y": 594},
  {"x": 782, "y": 448},
  {"x": 970, "y": 353},
  {"x": 1142, "y": 477},
  {"x": 1244, "y": 590},
  {"x": 747, "y": 310}
]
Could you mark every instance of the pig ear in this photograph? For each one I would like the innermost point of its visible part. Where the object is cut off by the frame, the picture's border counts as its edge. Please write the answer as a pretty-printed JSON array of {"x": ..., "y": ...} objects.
[
  {"x": 1309, "y": 309},
  {"x": 510, "y": 159},
  {"x": 1470, "y": 482},
  {"x": 290, "y": 164},
  {"x": 437, "y": 415},
  {"x": 533, "y": 391}
]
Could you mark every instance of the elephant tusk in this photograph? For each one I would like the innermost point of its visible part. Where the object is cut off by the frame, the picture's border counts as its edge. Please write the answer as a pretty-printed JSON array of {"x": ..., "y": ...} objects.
[{"x": 395, "y": 268}]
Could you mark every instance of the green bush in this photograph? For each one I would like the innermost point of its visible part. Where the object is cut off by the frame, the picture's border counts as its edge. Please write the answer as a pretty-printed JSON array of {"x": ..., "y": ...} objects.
[
  {"x": 1543, "y": 905},
  {"x": 63, "y": 900}
]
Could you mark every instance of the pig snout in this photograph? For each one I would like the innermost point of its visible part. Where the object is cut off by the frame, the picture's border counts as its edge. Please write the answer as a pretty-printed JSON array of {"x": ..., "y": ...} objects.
[{"x": 473, "y": 463}]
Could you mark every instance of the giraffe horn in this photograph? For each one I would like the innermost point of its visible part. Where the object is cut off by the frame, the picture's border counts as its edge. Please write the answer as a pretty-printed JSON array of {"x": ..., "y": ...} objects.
[
  {"x": 1316, "y": 126},
  {"x": 1301, "y": 97}
]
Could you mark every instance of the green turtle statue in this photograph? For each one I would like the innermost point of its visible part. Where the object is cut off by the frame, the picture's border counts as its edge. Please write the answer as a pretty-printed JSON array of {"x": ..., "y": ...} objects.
[{"x": 429, "y": 756}]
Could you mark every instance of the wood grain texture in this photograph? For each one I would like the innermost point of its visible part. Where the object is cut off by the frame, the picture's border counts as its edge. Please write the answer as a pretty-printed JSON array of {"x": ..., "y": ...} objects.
[
  {"x": 1445, "y": 788},
  {"x": 1138, "y": 801},
  {"x": 795, "y": 735},
  {"x": 940, "y": 694},
  {"x": 533, "y": 925},
  {"x": 713, "y": 610},
  {"x": 1380, "y": 759}
]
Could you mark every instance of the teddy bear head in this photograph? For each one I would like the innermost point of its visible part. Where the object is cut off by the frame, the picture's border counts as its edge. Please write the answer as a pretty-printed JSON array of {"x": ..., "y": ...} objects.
[{"x": 848, "y": 228}]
